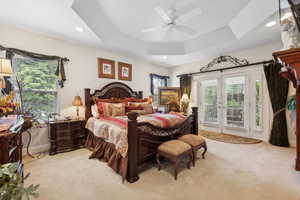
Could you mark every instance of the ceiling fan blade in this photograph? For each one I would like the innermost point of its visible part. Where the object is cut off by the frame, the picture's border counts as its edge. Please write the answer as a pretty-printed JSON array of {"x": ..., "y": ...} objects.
[
  {"x": 190, "y": 15},
  {"x": 186, "y": 29},
  {"x": 163, "y": 14},
  {"x": 153, "y": 29}
]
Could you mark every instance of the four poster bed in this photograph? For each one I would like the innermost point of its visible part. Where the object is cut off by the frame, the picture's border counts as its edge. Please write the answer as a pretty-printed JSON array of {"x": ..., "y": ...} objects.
[{"x": 141, "y": 136}]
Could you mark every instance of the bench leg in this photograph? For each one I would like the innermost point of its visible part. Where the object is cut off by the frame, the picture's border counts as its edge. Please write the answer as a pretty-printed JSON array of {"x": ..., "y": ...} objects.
[
  {"x": 194, "y": 157},
  {"x": 190, "y": 160},
  {"x": 205, "y": 149},
  {"x": 158, "y": 162},
  {"x": 176, "y": 169}
]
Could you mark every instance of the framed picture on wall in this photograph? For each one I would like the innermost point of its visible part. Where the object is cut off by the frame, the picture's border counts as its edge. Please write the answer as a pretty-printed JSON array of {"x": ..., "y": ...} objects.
[
  {"x": 106, "y": 68},
  {"x": 125, "y": 71},
  {"x": 169, "y": 95}
]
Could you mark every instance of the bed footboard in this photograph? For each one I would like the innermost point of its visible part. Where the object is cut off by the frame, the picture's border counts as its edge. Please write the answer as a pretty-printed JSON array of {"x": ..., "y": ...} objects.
[{"x": 136, "y": 137}]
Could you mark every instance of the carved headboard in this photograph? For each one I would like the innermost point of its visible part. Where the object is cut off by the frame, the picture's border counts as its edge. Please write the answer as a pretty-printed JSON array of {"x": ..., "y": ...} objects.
[{"x": 112, "y": 90}]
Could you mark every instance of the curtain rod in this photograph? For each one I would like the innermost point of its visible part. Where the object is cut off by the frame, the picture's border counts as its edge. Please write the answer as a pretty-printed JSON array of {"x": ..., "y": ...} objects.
[
  {"x": 32, "y": 54},
  {"x": 227, "y": 68}
]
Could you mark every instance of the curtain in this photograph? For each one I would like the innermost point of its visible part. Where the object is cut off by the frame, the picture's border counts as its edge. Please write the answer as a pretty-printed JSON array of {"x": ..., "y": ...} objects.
[
  {"x": 186, "y": 85},
  {"x": 60, "y": 71},
  {"x": 278, "y": 91}
]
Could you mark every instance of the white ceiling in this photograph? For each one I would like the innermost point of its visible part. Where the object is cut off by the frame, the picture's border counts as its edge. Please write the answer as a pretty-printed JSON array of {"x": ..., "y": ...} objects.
[{"x": 222, "y": 27}]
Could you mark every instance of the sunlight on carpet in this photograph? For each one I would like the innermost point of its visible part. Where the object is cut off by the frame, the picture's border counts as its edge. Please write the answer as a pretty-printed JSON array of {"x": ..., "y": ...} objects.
[{"x": 228, "y": 138}]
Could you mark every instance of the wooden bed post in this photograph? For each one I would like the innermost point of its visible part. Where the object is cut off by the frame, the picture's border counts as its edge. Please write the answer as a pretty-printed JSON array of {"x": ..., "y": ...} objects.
[
  {"x": 140, "y": 93},
  {"x": 133, "y": 143},
  {"x": 87, "y": 101},
  {"x": 195, "y": 120}
]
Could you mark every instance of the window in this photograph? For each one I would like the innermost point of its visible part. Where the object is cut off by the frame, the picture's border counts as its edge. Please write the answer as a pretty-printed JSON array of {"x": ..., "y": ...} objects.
[
  {"x": 234, "y": 98},
  {"x": 258, "y": 104},
  {"x": 37, "y": 85},
  {"x": 210, "y": 100},
  {"x": 158, "y": 81}
]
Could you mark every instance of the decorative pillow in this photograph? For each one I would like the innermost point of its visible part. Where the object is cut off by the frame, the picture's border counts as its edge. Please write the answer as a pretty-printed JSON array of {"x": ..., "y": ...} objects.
[
  {"x": 117, "y": 109},
  {"x": 148, "y": 108},
  {"x": 131, "y": 108},
  {"x": 137, "y": 104},
  {"x": 104, "y": 109},
  {"x": 94, "y": 110},
  {"x": 138, "y": 100}
]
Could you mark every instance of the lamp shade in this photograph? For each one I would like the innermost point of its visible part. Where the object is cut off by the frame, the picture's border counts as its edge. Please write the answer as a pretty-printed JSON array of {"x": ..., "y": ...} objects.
[
  {"x": 77, "y": 101},
  {"x": 5, "y": 67},
  {"x": 185, "y": 98}
]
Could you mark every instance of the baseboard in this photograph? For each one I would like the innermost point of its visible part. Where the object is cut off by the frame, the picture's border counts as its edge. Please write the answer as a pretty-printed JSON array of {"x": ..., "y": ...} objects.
[{"x": 37, "y": 149}]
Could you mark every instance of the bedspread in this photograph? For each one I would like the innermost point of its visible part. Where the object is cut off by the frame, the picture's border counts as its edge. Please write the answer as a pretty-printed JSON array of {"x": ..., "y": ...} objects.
[{"x": 114, "y": 129}]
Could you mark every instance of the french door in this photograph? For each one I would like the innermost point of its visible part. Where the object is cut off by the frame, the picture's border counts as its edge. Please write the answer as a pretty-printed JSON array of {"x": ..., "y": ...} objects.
[{"x": 232, "y": 104}]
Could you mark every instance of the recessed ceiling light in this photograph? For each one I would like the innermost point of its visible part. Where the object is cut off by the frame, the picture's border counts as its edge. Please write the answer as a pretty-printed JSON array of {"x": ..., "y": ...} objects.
[
  {"x": 165, "y": 57},
  {"x": 271, "y": 23},
  {"x": 79, "y": 29}
]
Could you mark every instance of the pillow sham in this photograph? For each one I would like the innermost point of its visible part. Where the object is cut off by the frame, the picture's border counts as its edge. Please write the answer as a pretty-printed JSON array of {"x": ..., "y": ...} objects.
[
  {"x": 139, "y": 104},
  {"x": 104, "y": 109},
  {"x": 117, "y": 109},
  {"x": 148, "y": 108},
  {"x": 131, "y": 108}
]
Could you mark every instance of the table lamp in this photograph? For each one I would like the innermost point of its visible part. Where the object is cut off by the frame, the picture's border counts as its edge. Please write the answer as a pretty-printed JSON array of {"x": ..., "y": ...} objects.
[
  {"x": 5, "y": 70},
  {"x": 77, "y": 102},
  {"x": 185, "y": 102}
]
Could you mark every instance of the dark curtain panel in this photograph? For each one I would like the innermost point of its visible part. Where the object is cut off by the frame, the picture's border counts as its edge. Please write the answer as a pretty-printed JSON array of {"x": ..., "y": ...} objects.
[
  {"x": 186, "y": 85},
  {"x": 60, "y": 72},
  {"x": 278, "y": 91}
]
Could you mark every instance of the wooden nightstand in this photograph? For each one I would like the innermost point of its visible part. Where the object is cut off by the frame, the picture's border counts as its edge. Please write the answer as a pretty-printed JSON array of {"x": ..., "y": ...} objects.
[{"x": 66, "y": 136}]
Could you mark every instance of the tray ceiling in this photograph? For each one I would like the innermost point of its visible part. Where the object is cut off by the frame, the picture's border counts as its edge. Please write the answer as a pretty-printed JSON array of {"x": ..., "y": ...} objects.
[{"x": 220, "y": 26}]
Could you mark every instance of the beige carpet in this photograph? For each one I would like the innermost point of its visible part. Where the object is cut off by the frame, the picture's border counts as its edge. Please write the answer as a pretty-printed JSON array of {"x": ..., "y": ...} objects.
[
  {"x": 228, "y": 138},
  {"x": 230, "y": 172}
]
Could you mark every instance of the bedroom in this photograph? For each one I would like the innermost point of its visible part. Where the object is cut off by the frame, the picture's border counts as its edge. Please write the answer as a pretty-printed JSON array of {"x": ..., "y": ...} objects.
[{"x": 158, "y": 42}]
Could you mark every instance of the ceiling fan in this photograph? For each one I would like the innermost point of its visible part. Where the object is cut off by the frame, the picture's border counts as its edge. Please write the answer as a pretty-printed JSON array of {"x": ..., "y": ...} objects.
[{"x": 172, "y": 20}]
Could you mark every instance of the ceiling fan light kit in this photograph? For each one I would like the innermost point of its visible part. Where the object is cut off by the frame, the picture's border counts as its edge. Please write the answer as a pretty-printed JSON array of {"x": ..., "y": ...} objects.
[{"x": 173, "y": 21}]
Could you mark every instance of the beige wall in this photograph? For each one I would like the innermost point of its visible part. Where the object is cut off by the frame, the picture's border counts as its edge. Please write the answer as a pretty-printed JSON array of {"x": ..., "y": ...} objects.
[{"x": 82, "y": 70}]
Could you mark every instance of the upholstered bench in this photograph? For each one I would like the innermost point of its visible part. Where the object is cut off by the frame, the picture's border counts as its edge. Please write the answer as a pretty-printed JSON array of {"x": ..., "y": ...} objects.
[
  {"x": 196, "y": 142},
  {"x": 175, "y": 151}
]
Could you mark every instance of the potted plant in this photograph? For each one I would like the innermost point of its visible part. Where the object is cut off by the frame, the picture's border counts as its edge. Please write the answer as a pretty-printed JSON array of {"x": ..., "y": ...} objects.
[{"x": 12, "y": 184}]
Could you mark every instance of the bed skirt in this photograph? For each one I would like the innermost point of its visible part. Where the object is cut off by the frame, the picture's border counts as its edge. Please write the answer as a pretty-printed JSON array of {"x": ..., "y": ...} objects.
[{"x": 107, "y": 152}]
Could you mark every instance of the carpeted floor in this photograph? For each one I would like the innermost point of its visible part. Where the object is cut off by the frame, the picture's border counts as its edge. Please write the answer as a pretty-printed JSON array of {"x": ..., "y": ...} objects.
[
  {"x": 228, "y": 138},
  {"x": 230, "y": 172}
]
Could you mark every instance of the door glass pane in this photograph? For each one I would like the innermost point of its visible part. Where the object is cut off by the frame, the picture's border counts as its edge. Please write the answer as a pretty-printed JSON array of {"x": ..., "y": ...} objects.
[
  {"x": 234, "y": 101},
  {"x": 258, "y": 104},
  {"x": 209, "y": 100}
]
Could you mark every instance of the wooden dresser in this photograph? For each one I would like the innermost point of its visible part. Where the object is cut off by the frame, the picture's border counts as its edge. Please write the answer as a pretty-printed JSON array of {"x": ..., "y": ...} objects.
[
  {"x": 11, "y": 142},
  {"x": 66, "y": 136}
]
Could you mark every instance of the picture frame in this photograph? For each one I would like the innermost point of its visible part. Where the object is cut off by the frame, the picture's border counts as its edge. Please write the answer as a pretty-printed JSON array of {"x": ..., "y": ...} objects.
[
  {"x": 169, "y": 95},
  {"x": 106, "y": 68},
  {"x": 124, "y": 71}
]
